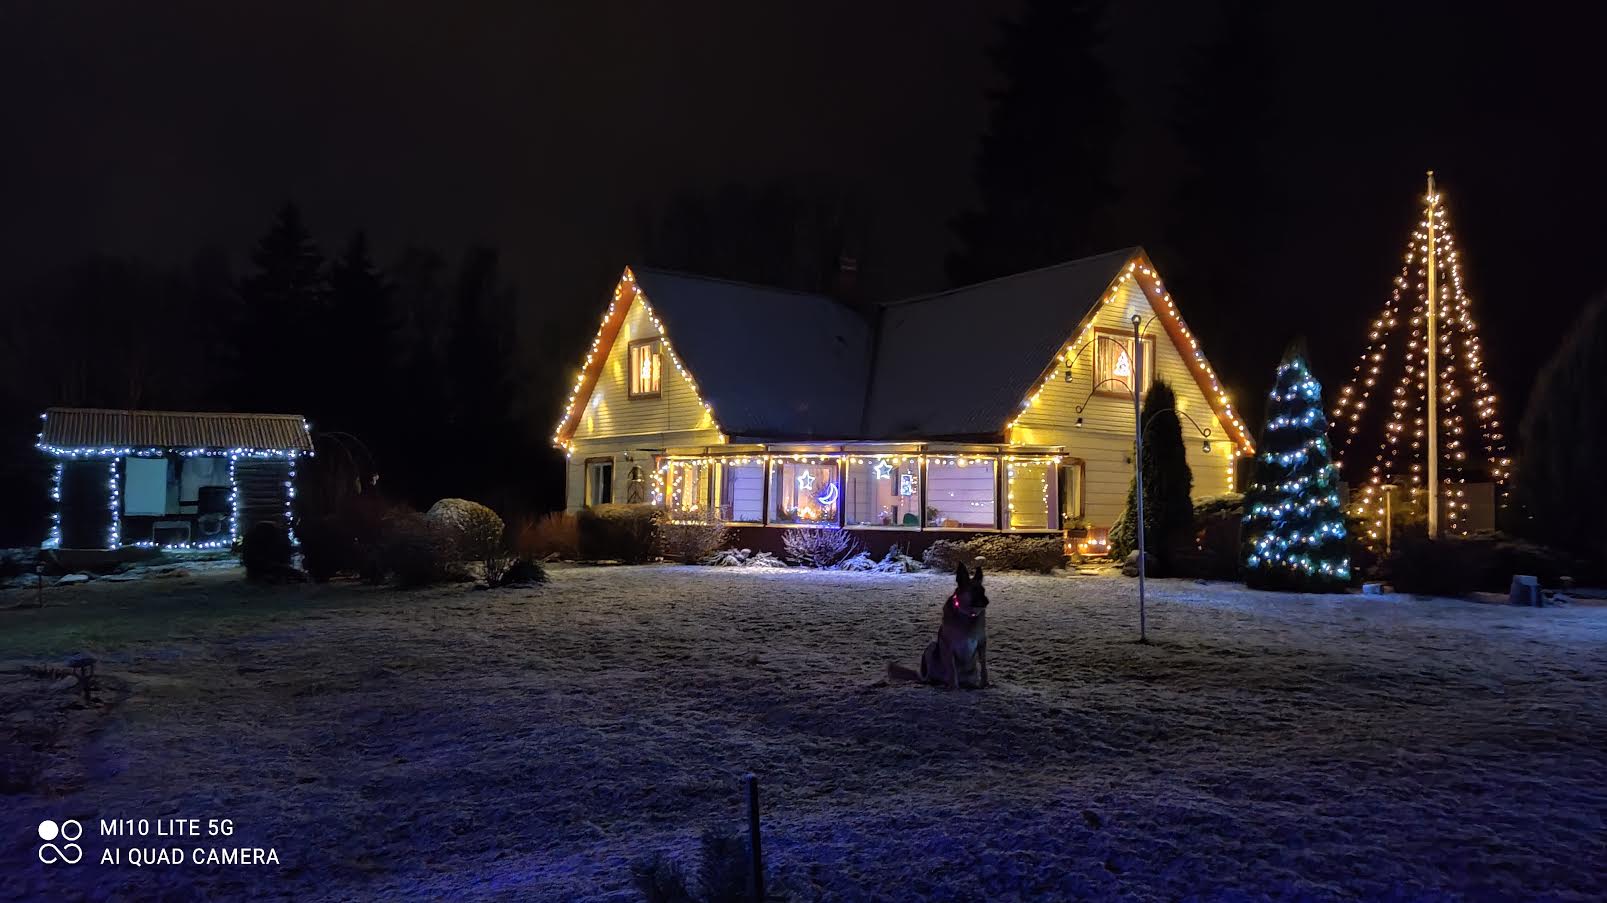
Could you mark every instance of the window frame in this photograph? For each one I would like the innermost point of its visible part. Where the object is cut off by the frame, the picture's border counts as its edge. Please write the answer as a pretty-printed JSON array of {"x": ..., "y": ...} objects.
[
  {"x": 631, "y": 372},
  {"x": 998, "y": 497},
  {"x": 586, "y": 481},
  {"x": 774, "y": 469},
  {"x": 1146, "y": 376},
  {"x": 919, "y": 495}
]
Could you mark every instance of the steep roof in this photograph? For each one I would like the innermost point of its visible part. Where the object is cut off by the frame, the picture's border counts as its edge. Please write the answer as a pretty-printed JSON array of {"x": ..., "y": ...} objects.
[
  {"x": 958, "y": 363},
  {"x": 770, "y": 362},
  {"x": 69, "y": 428}
]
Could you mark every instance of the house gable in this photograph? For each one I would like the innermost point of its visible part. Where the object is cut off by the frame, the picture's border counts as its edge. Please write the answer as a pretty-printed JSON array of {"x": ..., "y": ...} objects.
[
  {"x": 1104, "y": 441},
  {"x": 601, "y": 405}
]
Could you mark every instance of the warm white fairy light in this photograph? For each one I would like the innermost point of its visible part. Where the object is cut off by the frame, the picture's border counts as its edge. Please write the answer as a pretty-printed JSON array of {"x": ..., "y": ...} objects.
[
  {"x": 1148, "y": 281},
  {"x": 1460, "y": 382},
  {"x": 625, "y": 292}
]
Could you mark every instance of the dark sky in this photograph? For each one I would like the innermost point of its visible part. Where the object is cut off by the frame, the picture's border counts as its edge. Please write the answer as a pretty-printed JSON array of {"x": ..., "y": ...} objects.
[{"x": 153, "y": 129}]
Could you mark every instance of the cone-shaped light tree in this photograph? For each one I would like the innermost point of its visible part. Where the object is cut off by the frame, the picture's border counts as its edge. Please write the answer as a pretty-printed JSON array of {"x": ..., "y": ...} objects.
[{"x": 1294, "y": 525}]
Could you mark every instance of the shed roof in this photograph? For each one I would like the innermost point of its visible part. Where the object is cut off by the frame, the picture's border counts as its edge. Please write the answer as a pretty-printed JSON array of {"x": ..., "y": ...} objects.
[
  {"x": 770, "y": 362},
  {"x": 68, "y": 428},
  {"x": 959, "y": 363}
]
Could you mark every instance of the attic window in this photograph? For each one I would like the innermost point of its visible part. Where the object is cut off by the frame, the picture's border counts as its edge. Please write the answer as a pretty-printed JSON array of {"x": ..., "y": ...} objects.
[
  {"x": 646, "y": 367},
  {"x": 1114, "y": 364}
]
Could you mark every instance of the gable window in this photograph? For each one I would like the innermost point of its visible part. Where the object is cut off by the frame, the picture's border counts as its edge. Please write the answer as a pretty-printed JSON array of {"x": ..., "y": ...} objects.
[
  {"x": 1115, "y": 368},
  {"x": 646, "y": 367},
  {"x": 599, "y": 481}
]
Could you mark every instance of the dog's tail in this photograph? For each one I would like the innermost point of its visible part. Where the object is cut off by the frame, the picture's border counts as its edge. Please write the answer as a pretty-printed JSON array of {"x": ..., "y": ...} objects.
[{"x": 897, "y": 672}]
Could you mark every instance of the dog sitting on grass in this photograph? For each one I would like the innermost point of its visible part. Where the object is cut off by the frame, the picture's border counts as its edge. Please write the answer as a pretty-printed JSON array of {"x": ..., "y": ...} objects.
[{"x": 959, "y": 655}]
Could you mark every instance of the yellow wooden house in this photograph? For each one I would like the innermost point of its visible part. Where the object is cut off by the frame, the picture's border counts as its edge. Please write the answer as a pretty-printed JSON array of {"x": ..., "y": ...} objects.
[{"x": 1003, "y": 406}]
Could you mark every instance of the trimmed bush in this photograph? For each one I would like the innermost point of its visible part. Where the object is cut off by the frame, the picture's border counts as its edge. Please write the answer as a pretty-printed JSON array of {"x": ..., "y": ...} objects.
[
  {"x": 415, "y": 551},
  {"x": 1213, "y": 552},
  {"x": 477, "y": 534},
  {"x": 690, "y": 541},
  {"x": 266, "y": 550},
  {"x": 623, "y": 533},
  {"x": 819, "y": 547},
  {"x": 523, "y": 572},
  {"x": 999, "y": 551},
  {"x": 1458, "y": 565},
  {"x": 1168, "y": 482},
  {"x": 548, "y": 538}
]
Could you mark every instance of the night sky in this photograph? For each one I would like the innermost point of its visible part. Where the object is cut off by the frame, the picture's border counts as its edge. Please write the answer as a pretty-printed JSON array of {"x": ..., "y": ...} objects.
[{"x": 154, "y": 129}]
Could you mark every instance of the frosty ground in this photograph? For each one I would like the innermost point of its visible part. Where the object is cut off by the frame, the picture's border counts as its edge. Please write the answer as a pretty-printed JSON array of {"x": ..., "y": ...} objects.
[{"x": 530, "y": 744}]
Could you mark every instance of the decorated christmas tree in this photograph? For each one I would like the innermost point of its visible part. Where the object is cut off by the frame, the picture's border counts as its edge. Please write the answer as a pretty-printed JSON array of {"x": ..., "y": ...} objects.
[{"x": 1294, "y": 525}]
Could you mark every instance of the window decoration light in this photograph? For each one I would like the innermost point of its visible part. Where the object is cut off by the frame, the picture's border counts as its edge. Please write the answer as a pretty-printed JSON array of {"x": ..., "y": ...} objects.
[{"x": 1398, "y": 354}]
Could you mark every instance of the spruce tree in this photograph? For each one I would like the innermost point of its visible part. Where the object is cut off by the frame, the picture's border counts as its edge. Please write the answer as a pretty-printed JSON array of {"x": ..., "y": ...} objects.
[
  {"x": 1561, "y": 478},
  {"x": 1294, "y": 524},
  {"x": 1168, "y": 485},
  {"x": 363, "y": 366},
  {"x": 1045, "y": 167},
  {"x": 282, "y": 338}
]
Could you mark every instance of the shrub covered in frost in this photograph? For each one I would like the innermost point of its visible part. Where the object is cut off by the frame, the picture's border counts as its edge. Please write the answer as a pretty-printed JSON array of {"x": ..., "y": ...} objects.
[{"x": 819, "y": 547}]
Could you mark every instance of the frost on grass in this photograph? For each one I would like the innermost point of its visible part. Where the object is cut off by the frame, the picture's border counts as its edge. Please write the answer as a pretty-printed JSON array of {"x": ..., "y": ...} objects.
[{"x": 534, "y": 744}]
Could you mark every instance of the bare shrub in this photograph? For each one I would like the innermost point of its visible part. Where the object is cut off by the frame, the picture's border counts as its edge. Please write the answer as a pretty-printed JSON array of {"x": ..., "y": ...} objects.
[
  {"x": 896, "y": 562},
  {"x": 691, "y": 539},
  {"x": 819, "y": 547},
  {"x": 550, "y": 537}
]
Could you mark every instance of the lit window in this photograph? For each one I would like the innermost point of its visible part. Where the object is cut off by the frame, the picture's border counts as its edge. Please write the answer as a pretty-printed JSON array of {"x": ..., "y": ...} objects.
[
  {"x": 1114, "y": 364},
  {"x": 646, "y": 367},
  {"x": 960, "y": 493},
  {"x": 1033, "y": 495},
  {"x": 805, "y": 492},
  {"x": 686, "y": 483},
  {"x": 882, "y": 492}
]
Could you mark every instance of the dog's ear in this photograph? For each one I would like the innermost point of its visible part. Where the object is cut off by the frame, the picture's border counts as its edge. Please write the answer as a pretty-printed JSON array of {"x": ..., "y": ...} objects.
[
  {"x": 960, "y": 576},
  {"x": 977, "y": 577}
]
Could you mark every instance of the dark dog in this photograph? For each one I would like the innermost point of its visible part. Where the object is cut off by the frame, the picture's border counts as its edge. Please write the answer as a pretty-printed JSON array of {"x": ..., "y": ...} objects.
[{"x": 959, "y": 655}]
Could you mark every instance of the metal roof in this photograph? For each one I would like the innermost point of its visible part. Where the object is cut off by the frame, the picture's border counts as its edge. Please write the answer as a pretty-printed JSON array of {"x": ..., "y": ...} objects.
[
  {"x": 770, "y": 362},
  {"x": 102, "y": 428},
  {"x": 960, "y": 362}
]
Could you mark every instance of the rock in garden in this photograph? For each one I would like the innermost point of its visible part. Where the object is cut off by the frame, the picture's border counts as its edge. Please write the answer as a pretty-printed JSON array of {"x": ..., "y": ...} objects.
[{"x": 71, "y": 579}]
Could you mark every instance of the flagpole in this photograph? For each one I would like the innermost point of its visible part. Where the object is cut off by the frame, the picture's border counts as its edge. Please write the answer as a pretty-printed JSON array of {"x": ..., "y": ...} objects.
[{"x": 1433, "y": 374}]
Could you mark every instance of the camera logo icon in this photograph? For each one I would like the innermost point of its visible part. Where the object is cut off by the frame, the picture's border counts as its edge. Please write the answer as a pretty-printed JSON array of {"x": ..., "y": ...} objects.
[{"x": 68, "y": 832}]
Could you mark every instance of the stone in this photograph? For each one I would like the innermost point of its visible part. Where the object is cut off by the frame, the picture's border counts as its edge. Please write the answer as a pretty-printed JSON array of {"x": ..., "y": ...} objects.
[
  {"x": 1130, "y": 566},
  {"x": 1525, "y": 590},
  {"x": 1373, "y": 589},
  {"x": 71, "y": 579}
]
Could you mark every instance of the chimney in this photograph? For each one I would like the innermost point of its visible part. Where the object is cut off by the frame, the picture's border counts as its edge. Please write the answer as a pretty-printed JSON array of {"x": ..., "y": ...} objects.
[{"x": 846, "y": 286}]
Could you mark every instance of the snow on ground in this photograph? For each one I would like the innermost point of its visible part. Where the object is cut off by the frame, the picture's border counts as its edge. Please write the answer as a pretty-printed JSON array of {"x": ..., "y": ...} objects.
[{"x": 454, "y": 744}]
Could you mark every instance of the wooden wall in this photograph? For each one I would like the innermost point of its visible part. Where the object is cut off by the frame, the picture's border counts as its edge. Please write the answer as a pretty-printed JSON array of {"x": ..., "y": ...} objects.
[{"x": 1105, "y": 441}]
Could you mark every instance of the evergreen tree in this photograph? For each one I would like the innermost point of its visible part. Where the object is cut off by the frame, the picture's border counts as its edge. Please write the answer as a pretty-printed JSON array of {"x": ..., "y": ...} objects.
[
  {"x": 281, "y": 340},
  {"x": 1168, "y": 486},
  {"x": 1044, "y": 170},
  {"x": 1294, "y": 524},
  {"x": 363, "y": 364},
  {"x": 1561, "y": 478}
]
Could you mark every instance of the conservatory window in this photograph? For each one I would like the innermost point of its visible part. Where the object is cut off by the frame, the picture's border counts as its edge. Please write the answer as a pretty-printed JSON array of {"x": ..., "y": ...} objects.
[
  {"x": 804, "y": 492},
  {"x": 882, "y": 492},
  {"x": 646, "y": 367},
  {"x": 1114, "y": 364},
  {"x": 1032, "y": 495},
  {"x": 960, "y": 492},
  {"x": 739, "y": 491},
  {"x": 686, "y": 487}
]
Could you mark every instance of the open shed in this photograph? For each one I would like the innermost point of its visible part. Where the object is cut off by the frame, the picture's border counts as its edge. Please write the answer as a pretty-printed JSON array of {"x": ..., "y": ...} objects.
[{"x": 168, "y": 479}]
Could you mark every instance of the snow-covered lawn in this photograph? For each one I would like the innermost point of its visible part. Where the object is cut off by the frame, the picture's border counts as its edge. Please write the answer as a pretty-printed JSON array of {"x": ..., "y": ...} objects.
[{"x": 453, "y": 744}]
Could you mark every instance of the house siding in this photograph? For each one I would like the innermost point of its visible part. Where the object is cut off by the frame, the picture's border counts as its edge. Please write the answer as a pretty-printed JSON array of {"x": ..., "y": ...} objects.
[{"x": 1105, "y": 441}]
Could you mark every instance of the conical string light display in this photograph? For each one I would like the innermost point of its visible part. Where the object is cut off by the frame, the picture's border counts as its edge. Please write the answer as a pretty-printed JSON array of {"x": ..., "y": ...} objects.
[{"x": 1425, "y": 359}]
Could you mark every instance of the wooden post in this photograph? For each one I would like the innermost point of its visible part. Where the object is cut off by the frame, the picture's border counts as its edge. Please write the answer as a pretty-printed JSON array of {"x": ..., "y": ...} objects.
[
  {"x": 1433, "y": 375},
  {"x": 756, "y": 859}
]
